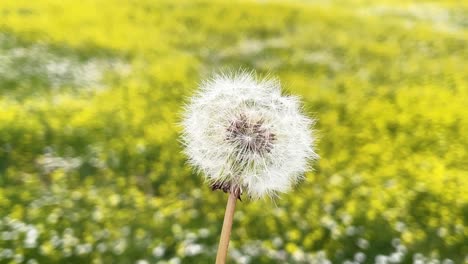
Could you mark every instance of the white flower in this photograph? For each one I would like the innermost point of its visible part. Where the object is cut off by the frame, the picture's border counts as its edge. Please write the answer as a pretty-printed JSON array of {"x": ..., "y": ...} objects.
[{"x": 245, "y": 136}]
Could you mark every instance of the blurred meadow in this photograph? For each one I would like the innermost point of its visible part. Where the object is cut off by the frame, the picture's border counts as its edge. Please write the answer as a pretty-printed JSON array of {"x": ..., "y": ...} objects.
[{"x": 91, "y": 169}]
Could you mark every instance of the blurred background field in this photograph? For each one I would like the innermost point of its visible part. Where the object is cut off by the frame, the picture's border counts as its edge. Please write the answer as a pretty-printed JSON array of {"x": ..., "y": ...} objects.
[{"x": 91, "y": 92}]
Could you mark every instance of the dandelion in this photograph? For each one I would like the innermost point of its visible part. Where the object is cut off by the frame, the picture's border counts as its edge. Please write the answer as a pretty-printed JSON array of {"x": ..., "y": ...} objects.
[{"x": 246, "y": 137}]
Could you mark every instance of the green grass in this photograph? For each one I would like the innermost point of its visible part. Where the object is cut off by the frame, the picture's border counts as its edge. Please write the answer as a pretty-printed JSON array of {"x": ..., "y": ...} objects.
[{"x": 91, "y": 93}]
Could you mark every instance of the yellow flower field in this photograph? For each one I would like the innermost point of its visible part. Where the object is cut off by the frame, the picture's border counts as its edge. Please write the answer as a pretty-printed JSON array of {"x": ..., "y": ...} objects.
[{"x": 91, "y": 94}]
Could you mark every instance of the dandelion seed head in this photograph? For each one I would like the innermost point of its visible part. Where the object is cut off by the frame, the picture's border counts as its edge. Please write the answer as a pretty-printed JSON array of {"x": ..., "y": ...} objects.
[{"x": 245, "y": 136}]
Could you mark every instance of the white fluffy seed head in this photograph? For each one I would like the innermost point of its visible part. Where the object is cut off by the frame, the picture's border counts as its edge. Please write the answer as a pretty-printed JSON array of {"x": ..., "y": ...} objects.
[{"x": 246, "y": 137}]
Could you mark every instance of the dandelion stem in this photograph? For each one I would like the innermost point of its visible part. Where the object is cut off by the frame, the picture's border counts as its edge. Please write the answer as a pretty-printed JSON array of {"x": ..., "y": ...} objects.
[{"x": 226, "y": 231}]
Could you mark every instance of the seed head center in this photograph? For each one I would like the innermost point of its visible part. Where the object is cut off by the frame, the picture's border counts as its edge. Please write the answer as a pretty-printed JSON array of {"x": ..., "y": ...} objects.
[{"x": 250, "y": 136}]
